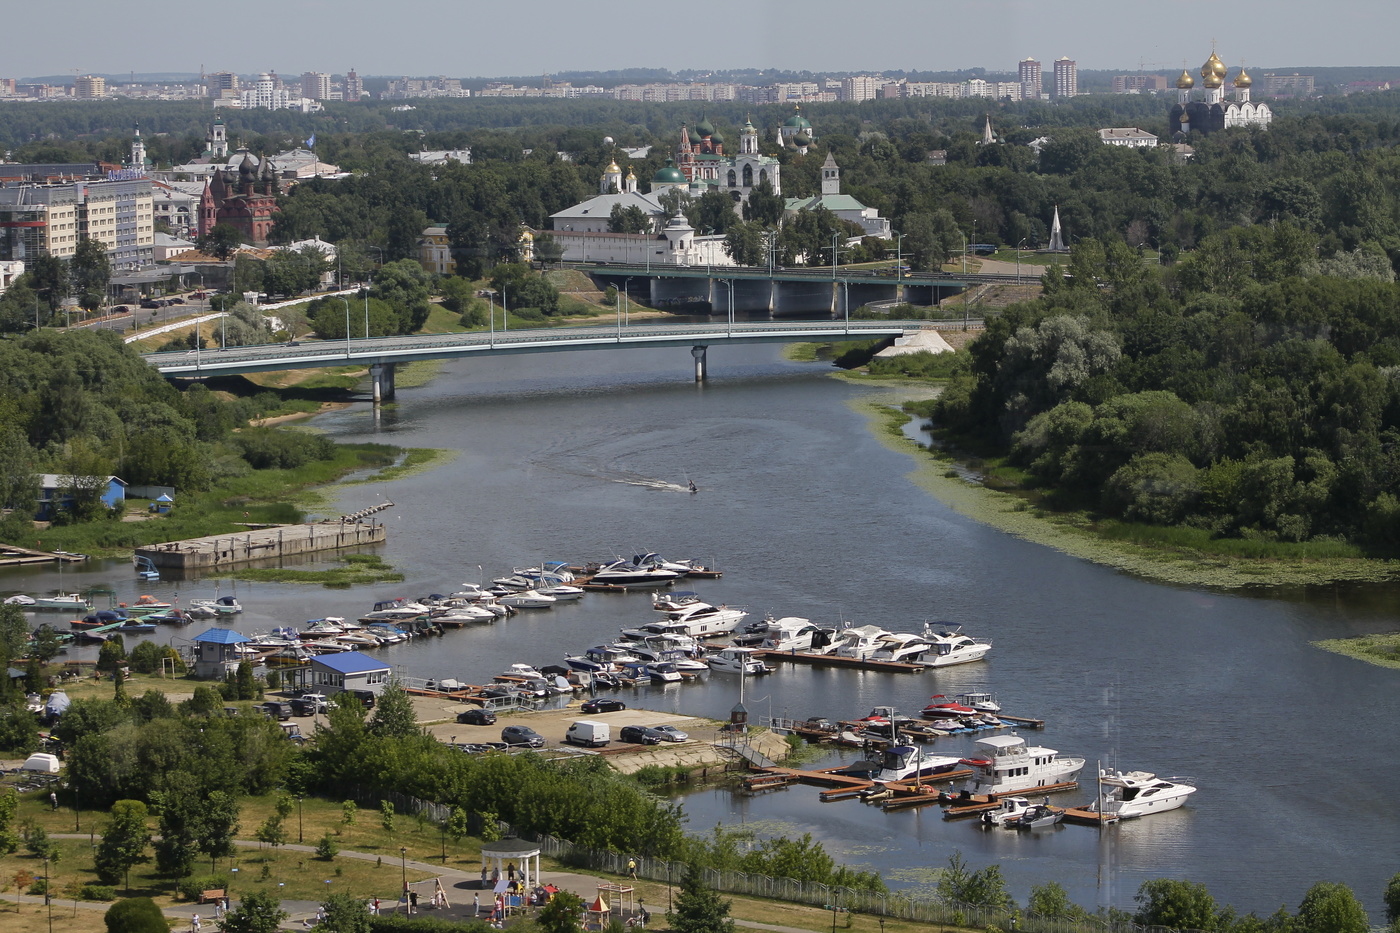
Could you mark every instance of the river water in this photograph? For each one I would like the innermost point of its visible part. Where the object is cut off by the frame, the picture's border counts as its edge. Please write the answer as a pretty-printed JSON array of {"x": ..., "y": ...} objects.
[{"x": 809, "y": 514}]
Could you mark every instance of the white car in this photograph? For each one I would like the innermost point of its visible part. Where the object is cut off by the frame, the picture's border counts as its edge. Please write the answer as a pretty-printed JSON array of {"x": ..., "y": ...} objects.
[
  {"x": 672, "y": 734},
  {"x": 318, "y": 698}
]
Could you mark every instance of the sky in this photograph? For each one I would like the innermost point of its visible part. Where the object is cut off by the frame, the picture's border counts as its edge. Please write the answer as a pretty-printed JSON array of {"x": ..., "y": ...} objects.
[{"x": 473, "y": 38}]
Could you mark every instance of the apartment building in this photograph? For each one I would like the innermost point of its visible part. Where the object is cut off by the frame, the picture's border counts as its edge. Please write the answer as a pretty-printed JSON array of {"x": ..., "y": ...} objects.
[
  {"x": 316, "y": 85},
  {"x": 1029, "y": 76},
  {"x": 1066, "y": 77},
  {"x": 90, "y": 87}
]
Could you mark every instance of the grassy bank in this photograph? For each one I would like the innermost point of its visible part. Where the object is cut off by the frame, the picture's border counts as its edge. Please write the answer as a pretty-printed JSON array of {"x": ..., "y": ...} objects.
[
  {"x": 1171, "y": 555},
  {"x": 353, "y": 569},
  {"x": 1383, "y": 649}
]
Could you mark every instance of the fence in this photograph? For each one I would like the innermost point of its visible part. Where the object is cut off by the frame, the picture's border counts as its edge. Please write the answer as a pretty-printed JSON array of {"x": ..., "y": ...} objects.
[{"x": 894, "y": 905}]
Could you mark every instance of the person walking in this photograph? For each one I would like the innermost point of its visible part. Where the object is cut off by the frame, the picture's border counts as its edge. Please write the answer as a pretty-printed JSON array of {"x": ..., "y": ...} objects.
[
  {"x": 483, "y": 874},
  {"x": 510, "y": 872},
  {"x": 194, "y": 923},
  {"x": 632, "y": 868},
  {"x": 476, "y": 905},
  {"x": 375, "y": 908}
]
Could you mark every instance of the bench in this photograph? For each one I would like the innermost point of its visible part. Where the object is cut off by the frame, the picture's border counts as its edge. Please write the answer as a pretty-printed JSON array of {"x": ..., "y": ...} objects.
[{"x": 212, "y": 895}]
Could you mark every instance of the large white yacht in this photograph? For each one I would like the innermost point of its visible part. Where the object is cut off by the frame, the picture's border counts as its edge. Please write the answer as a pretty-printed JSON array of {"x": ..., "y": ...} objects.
[
  {"x": 906, "y": 762},
  {"x": 952, "y": 647},
  {"x": 703, "y": 620},
  {"x": 1006, "y": 763},
  {"x": 901, "y": 646},
  {"x": 859, "y": 642},
  {"x": 1138, "y": 793},
  {"x": 790, "y": 633},
  {"x": 738, "y": 661}
]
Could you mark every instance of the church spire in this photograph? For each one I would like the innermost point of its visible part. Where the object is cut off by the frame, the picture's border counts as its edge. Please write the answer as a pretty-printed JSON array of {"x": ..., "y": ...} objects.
[{"x": 1057, "y": 236}]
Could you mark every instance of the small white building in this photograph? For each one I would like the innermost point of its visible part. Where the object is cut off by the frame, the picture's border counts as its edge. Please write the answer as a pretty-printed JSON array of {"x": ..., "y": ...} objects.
[
  {"x": 1131, "y": 136},
  {"x": 348, "y": 670},
  {"x": 842, "y": 205},
  {"x": 10, "y": 269}
]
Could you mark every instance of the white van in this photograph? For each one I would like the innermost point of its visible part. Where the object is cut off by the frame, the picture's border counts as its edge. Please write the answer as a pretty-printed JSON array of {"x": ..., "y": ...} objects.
[{"x": 589, "y": 734}]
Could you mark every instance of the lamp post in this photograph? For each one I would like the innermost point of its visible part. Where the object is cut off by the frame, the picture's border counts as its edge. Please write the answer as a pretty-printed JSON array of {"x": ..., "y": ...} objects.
[
  {"x": 1018, "y": 259},
  {"x": 371, "y": 282},
  {"x": 491, "y": 297},
  {"x": 834, "y": 237},
  {"x": 347, "y": 324},
  {"x": 298, "y": 817},
  {"x": 48, "y": 898},
  {"x": 730, "y": 284},
  {"x": 964, "y": 251},
  {"x": 899, "y": 257},
  {"x": 403, "y": 866},
  {"x": 627, "y": 310}
]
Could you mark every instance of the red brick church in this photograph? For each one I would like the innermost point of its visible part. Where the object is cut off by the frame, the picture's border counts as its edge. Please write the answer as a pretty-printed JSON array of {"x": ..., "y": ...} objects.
[{"x": 244, "y": 198}]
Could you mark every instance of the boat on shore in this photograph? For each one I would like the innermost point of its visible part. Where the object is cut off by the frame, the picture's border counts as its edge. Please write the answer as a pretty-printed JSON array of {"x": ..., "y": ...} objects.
[{"x": 1137, "y": 793}]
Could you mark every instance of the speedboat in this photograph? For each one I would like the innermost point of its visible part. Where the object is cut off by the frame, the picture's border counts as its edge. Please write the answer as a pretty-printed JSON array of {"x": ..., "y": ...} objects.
[
  {"x": 675, "y": 601},
  {"x": 602, "y": 659},
  {"x": 470, "y": 592},
  {"x": 137, "y": 626},
  {"x": 560, "y": 591},
  {"x": 21, "y": 600},
  {"x": 790, "y": 633},
  {"x": 66, "y": 602},
  {"x": 1010, "y": 808},
  {"x": 860, "y": 642},
  {"x": 1008, "y": 764},
  {"x": 652, "y": 559},
  {"x": 738, "y": 661},
  {"x": 1037, "y": 816},
  {"x": 149, "y": 603},
  {"x": 461, "y": 614},
  {"x": 952, "y": 647},
  {"x": 329, "y": 627},
  {"x": 1138, "y": 793},
  {"x": 527, "y": 599},
  {"x": 663, "y": 672},
  {"x": 550, "y": 573},
  {"x": 222, "y": 605},
  {"x": 398, "y": 609},
  {"x": 940, "y": 707},
  {"x": 704, "y": 620},
  {"x": 169, "y": 617},
  {"x": 900, "y": 646},
  {"x": 387, "y": 633},
  {"x": 678, "y": 631},
  {"x": 906, "y": 762},
  {"x": 622, "y": 573},
  {"x": 981, "y": 702}
]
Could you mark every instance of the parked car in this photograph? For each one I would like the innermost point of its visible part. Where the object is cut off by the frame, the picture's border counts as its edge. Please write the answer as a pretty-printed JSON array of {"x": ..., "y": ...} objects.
[
  {"x": 640, "y": 735},
  {"x": 317, "y": 698},
  {"x": 303, "y": 707},
  {"x": 278, "y": 709},
  {"x": 366, "y": 697},
  {"x": 601, "y": 705},
  {"x": 477, "y": 717},
  {"x": 522, "y": 735},
  {"x": 672, "y": 734},
  {"x": 149, "y": 303}
]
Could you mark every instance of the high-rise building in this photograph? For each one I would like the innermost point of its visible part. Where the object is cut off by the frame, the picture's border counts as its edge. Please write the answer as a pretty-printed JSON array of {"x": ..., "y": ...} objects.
[
  {"x": 1294, "y": 85},
  {"x": 1066, "y": 77},
  {"x": 1029, "y": 72},
  {"x": 859, "y": 88},
  {"x": 223, "y": 84},
  {"x": 354, "y": 87},
  {"x": 90, "y": 87},
  {"x": 316, "y": 85}
]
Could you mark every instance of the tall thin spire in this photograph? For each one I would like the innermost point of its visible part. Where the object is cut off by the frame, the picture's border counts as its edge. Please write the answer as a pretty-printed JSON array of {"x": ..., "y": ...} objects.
[{"x": 1057, "y": 236}]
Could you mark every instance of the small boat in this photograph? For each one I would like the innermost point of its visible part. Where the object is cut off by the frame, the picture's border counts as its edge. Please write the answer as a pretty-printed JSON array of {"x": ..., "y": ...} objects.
[
  {"x": 329, "y": 627},
  {"x": 906, "y": 762},
  {"x": 940, "y": 707},
  {"x": 652, "y": 559},
  {"x": 387, "y": 633},
  {"x": 675, "y": 601},
  {"x": 550, "y": 573},
  {"x": 560, "y": 591},
  {"x": 663, "y": 672},
  {"x": 1138, "y": 793},
  {"x": 790, "y": 633},
  {"x": 859, "y": 642},
  {"x": 65, "y": 602},
  {"x": 137, "y": 626},
  {"x": 738, "y": 661},
  {"x": 1014, "y": 766},
  {"x": 21, "y": 600},
  {"x": 147, "y": 602},
  {"x": 398, "y": 609},
  {"x": 1037, "y": 816},
  {"x": 169, "y": 617},
  {"x": 222, "y": 605},
  {"x": 982, "y": 702},
  {"x": 952, "y": 647},
  {"x": 1010, "y": 808},
  {"x": 522, "y": 671},
  {"x": 527, "y": 599}
]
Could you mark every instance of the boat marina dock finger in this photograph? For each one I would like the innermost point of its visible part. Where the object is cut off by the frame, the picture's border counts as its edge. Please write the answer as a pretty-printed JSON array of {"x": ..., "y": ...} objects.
[{"x": 221, "y": 552}]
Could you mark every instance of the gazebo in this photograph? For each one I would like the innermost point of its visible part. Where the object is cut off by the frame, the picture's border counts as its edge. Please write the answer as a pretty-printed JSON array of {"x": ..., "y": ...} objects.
[{"x": 512, "y": 853}]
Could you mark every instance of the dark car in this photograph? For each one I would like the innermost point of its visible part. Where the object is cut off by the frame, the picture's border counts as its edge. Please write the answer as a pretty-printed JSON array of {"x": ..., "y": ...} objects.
[
  {"x": 149, "y": 303},
  {"x": 278, "y": 709},
  {"x": 303, "y": 707},
  {"x": 366, "y": 697},
  {"x": 603, "y": 706},
  {"x": 477, "y": 717},
  {"x": 640, "y": 735},
  {"x": 522, "y": 735}
]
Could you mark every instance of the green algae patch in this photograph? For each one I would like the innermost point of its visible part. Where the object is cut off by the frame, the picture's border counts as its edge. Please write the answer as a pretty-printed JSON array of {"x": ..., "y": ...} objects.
[
  {"x": 355, "y": 569},
  {"x": 1382, "y": 650}
]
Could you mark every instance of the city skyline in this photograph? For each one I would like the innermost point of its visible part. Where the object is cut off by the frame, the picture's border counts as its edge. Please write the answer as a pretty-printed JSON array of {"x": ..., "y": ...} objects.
[{"x": 551, "y": 36}]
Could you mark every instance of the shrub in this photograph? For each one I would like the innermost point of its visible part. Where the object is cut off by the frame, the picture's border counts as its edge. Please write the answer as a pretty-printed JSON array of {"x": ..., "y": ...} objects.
[
  {"x": 97, "y": 892},
  {"x": 191, "y": 888},
  {"x": 327, "y": 848}
]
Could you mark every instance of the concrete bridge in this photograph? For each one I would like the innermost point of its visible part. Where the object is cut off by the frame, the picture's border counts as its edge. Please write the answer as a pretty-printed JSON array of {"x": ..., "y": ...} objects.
[
  {"x": 787, "y": 291},
  {"x": 382, "y": 354}
]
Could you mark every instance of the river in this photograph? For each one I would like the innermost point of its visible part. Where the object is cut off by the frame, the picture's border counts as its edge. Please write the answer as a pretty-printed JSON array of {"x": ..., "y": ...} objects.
[{"x": 809, "y": 514}]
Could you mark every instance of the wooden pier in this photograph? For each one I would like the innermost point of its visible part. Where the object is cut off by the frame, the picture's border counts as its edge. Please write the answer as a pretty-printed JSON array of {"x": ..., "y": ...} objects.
[
  {"x": 12, "y": 556},
  {"x": 270, "y": 544},
  {"x": 828, "y": 660}
]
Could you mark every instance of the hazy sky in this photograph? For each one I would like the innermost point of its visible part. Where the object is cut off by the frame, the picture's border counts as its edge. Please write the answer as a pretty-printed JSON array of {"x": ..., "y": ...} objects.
[{"x": 468, "y": 38}]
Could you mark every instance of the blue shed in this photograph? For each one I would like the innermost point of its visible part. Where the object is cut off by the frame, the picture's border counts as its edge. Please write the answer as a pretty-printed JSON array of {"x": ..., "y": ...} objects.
[
  {"x": 54, "y": 493},
  {"x": 162, "y": 503},
  {"x": 218, "y": 652}
]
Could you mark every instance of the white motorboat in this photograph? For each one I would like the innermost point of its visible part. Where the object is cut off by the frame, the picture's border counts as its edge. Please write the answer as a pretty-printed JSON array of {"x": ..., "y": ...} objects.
[
  {"x": 329, "y": 627},
  {"x": 738, "y": 661},
  {"x": 527, "y": 599},
  {"x": 622, "y": 573},
  {"x": 981, "y": 702},
  {"x": 461, "y": 614},
  {"x": 388, "y": 633},
  {"x": 561, "y": 591},
  {"x": 65, "y": 602},
  {"x": 859, "y": 642},
  {"x": 952, "y": 647},
  {"x": 1137, "y": 793},
  {"x": 221, "y": 605},
  {"x": 675, "y": 600},
  {"x": 602, "y": 658},
  {"x": 906, "y": 762},
  {"x": 669, "y": 629},
  {"x": 901, "y": 646},
  {"x": 790, "y": 633},
  {"x": 703, "y": 621},
  {"x": 663, "y": 672},
  {"x": 940, "y": 707},
  {"x": 652, "y": 559},
  {"x": 1007, "y": 764},
  {"x": 21, "y": 600},
  {"x": 392, "y": 610},
  {"x": 1010, "y": 808},
  {"x": 471, "y": 592},
  {"x": 550, "y": 573},
  {"x": 1037, "y": 816}
]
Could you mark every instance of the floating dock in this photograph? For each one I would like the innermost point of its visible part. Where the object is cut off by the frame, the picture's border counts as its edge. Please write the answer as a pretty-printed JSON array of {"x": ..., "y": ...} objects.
[
  {"x": 269, "y": 544},
  {"x": 11, "y": 556},
  {"x": 830, "y": 660}
]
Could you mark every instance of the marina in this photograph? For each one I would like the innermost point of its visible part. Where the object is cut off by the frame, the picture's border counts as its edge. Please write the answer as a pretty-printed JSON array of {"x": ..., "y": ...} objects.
[{"x": 258, "y": 545}]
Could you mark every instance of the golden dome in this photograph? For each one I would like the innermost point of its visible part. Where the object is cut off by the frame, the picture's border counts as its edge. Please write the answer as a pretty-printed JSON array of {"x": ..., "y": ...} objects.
[
  {"x": 1212, "y": 80},
  {"x": 1185, "y": 82},
  {"x": 1213, "y": 66},
  {"x": 1185, "y": 118},
  {"x": 1242, "y": 79},
  {"x": 612, "y": 167},
  {"x": 631, "y": 175}
]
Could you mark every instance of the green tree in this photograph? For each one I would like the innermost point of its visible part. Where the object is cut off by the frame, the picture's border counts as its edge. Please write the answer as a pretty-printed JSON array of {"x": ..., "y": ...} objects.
[
  {"x": 91, "y": 273},
  {"x": 404, "y": 287},
  {"x": 327, "y": 848},
  {"x": 221, "y": 241},
  {"x": 1179, "y": 905},
  {"x": 124, "y": 842},
  {"x": 1331, "y": 907},
  {"x": 699, "y": 908},
  {"x": 763, "y": 206},
  {"x": 271, "y": 832},
  {"x": 9, "y": 806},
  {"x": 50, "y": 280},
  {"x": 631, "y": 219},
  {"x": 218, "y": 825},
  {"x": 561, "y": 914},
  {"x": 982, "y": 888},
  {"x": 548, "y": 250},
  {"x": 393, "y": 713},
  {"x": 744, "y": 243},
  {"x": 19, "y": 480},
  {"x": 345, "y": 914},
  {"x": 46, "y": 644},
  {"x": 386, "y": 815},
  {"x": 256, "y": 913},
  {"x": 1391, "y": 897},
  {"x": 39, "y": 844},
  {"x": 247, "y": 685},
  {"x": 135, "y": 915},
  {"x": 347, "y": 813},
  {"x": 1051, "y": 900}
]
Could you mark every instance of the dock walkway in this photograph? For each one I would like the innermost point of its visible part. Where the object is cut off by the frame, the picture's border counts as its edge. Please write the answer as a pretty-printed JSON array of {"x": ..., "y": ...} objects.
[
  {"x": 221, "y": 552},
  {"x": 13, "y": 556}
]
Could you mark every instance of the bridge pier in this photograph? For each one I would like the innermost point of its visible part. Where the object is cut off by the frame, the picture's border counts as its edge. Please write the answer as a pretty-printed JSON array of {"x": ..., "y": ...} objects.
[
  {"x": 701, "y": 369},
  {"x": 382, "y": 376}
]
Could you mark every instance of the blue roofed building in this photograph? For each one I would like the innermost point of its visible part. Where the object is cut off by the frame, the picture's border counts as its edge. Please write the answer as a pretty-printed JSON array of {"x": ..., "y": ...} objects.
[
  {"x": 348, "y": 670},
  {"x": 217, "y": 653},
  {"x": 57, "y": 491}
]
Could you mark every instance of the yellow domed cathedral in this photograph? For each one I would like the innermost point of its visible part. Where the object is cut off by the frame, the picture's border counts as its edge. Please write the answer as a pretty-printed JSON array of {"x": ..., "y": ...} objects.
[{"x": 1208, "y": 110}]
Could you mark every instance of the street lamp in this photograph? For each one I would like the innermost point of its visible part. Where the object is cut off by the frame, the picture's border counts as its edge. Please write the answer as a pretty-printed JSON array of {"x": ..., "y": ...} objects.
[
  {"x": 627, "y": 312},
  {"x": 964, "y": 250},
  {"x": 48, "y": 898},
  {"x": 1018, "y": 259},
  {"x": 403, "y": 865},
  {"x": 347, "y": 324},
  {"x": 491, "y": 297},
  {"x": 899, "y": 257},
  {"x": 730, "y": 284},
  {"x": 298, "y": 817},
  {"x": 834, "y": 237}
]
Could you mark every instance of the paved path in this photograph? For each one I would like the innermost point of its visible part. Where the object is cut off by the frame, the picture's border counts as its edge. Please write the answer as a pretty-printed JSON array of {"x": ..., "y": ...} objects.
[{"x": 460, "y": 886}]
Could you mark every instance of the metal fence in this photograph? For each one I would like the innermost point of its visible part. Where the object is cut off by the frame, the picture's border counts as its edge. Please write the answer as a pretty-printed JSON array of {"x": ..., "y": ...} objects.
[{"x": 895, "y": 905}]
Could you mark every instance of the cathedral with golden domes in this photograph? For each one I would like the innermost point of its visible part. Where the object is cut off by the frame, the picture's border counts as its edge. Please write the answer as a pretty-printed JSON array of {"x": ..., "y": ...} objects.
[{"x": 1209, "y": 110}]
